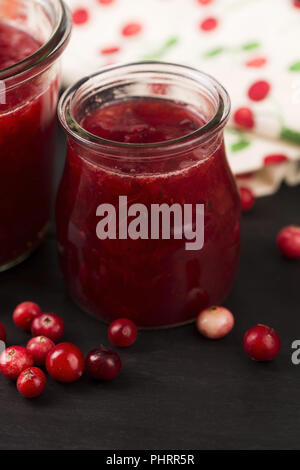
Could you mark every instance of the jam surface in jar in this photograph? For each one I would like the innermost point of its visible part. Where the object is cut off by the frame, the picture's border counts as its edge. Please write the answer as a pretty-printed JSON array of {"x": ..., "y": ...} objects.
[
  {"x": 154, "y": 282},
  {"x": 27, "y": 136}
]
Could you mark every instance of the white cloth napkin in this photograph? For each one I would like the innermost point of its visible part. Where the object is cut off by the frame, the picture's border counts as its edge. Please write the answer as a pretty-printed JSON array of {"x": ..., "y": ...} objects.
[{"x": 251, "y": 46}]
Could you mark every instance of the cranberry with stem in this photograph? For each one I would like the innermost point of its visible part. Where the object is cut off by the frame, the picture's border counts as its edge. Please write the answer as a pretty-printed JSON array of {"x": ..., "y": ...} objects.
[
  {"x": 39, "y": 347},
  {"x": 122, "y": 332},
  {"x": 262, "y": 343},
  {"x": 49, "y": 325},
  {"x": 25, "y": 313},
  {"x": 31, "y": 382},
  {"x": 215, "y": 322},
  {"x": 103, "y": 364},
  {"x": 288, "y": 241},
  {"x": 65, "y": 363},
  {"x": 14, "y": 360},
  {"x": 2, "y": 332}
]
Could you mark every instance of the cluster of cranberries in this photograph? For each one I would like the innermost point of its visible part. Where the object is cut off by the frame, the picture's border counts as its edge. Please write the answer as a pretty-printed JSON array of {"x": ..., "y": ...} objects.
[
  {"x": 64, "y": 362},
  {"x": 261, "y": 342}
]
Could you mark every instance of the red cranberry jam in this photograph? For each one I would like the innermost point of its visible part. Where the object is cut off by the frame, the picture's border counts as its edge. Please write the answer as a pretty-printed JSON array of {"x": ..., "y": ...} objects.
[{"x": 135, "y": 154}]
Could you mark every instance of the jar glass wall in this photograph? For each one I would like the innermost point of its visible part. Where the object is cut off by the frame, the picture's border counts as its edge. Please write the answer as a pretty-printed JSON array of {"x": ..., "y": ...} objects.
[
  {"x": 155, "y": 279},
  {"x": 33, "y": 35}
]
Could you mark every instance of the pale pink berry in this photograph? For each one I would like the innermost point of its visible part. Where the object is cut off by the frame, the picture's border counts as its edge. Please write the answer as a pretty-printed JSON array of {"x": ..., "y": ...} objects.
[{"x": 215, "y": 322}]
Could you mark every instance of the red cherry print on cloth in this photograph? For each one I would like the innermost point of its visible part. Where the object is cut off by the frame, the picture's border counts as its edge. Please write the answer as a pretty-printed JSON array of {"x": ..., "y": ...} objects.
[
  {"x": 243, "y": 117},
  {"x": 131, "y": 29},
  {"x": 275, "y": 158},
  {"x": 259, "y": 90},
  {"x": 106, "y": 2},
  {"x": 80, "y": 16},
  {"x": 209, "y": 24},
  {"x": 204, "y": 2},
  {"x": 110, "y": 50},
  {"x": 256, "y": 62}
]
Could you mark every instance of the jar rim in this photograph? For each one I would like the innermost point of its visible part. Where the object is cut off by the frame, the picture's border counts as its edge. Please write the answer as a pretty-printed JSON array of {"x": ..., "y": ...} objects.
[
  {"x": 212, "y": 126},
  {"x": 49, "y": 50}
]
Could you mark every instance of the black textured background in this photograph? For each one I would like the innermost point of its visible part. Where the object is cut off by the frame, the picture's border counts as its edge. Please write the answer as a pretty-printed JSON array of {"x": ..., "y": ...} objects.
[{"x": 177, "y": 390}]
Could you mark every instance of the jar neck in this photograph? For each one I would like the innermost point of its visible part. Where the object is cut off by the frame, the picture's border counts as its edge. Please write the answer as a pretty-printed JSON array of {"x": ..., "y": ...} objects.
[
  {"x": 55, "y": 18},
  {"x": 157, "y": 80}
]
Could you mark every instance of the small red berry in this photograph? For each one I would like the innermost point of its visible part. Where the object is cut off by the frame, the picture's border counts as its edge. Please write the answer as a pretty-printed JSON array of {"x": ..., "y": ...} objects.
[
  {"x": 31, "y": 382},
  {"x": 2, "y": 332},
  {"x": 65, "y": 363},
  {"x": 247, "y": 199},
  {"x": 256, "y": 62},
  {"x": 24, "y": 314},
  {"x": 243, "y": 117},
  {"x": 262, "y": 343},
  {"x": 296, "y": 3},
  {"x": 39, "y": 347},
  {"x": 122, "y": 332},
  {"x": 49, "y": 325},
  {"x": 259, "y": 90},
  {"x": 14, "y": 360},
  {"x": 110, "y": 50},
  {"x": 204, "y": 2},
  {"x": 131, "y": 29},
  {"x": 275, "y": 158},
  {"x": 215, "y": 322},
  {"x": 103, "y": 364},
  {"x": 288, "y": 241},
  {"x": 80, "y": 16},
  {"x": 209, "y": 24}
]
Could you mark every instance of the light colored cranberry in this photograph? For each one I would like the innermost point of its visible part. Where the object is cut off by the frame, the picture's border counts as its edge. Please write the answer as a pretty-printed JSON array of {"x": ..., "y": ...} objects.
[
  {"x": 14, "y": 360},
  {"x": 215, "y": 322},
  {"x": 288, "y": 241}
]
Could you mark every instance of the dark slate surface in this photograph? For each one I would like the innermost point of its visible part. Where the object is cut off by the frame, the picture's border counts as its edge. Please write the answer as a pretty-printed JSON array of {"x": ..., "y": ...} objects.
[{"x": 177, "y": 390}]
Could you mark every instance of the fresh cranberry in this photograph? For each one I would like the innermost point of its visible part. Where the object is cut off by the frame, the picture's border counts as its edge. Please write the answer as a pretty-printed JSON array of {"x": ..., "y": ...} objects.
[
  {"x": 49, "y": 325},
  {"x": 65, "y": 362},
  {"x": 122, "y": 332},
  {"x": 262, "y": 343},
  {"x": 243, "y": 117},
  {"x": 275, "y": 158},
  {"x": 256, "y": 62},
  {"x": 288, "y": 241},
  {"x": 31, "y": 382},
  {"x": 24, "y": 314},
  {"x": 247, "y": 199},
  {"x": 131, "y": 29},
  {"x": 80, "y": 16},
  {"x": 110, "y": 50},
  {"x": 204, "y": 2},
  {"x": 103, "y": 363},
  {"x": 215, "y": 322},
  {"x": 39, "y": 347},
  {"x": 209, "y": 24},
  {"x": 14, "y": 360},
  {"x": 296, "y": 3},
  {"x": 2, "y": 332},
  {"x": 259, "y": 90}
]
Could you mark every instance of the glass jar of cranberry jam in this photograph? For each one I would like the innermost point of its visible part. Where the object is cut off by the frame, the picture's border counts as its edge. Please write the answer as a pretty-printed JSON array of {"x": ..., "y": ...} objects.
[
  {"x": 147, "y": 212},
  {"x": 33, "y": 34}
]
